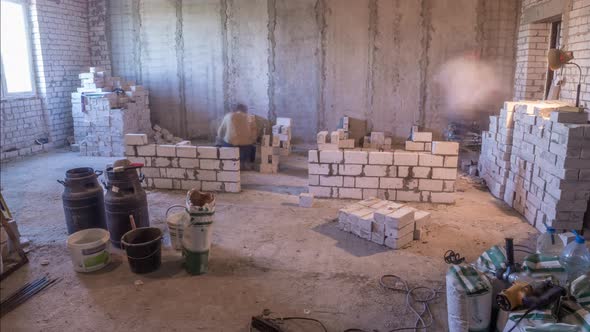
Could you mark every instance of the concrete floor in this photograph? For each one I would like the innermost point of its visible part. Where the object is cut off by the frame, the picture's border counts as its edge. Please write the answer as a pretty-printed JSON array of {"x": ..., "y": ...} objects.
[{"x": 266, "y": 253}]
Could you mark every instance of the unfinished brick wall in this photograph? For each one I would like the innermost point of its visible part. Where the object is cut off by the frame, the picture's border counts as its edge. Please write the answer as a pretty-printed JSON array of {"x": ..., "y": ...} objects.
[
  {"x": 532, "y": 46},
  {"x": 537, "y": 159},
  {"x": 59, "y": 34},
  {"x": 22, "y": 122},
  {"x": 102, "y": 117},
  {"x": 206, "y": 168},
  {"x": 409, "y": 176},
  {"x": 61, "y": 48},
  {"x": 531, "y": 61}
]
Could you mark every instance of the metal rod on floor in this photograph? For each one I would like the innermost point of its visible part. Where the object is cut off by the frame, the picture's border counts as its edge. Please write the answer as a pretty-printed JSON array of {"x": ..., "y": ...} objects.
[
  {"x": 22, "y": 290},
  {"x": 25, "y": 293}
]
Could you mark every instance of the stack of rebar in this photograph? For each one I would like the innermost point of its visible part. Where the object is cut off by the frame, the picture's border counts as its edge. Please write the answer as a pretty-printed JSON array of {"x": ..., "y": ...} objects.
[{"x": 25, "y": 293}]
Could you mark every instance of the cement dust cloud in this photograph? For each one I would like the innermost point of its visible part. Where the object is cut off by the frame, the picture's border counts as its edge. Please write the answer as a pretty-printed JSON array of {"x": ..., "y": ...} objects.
[{"x": 472, "y": 88}]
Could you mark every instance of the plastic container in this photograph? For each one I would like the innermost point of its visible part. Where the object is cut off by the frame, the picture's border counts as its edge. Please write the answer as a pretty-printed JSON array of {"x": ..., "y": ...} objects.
[
  {"x": 175, "y": 222},
  {"x": 549, "y": 243},
  {"x": 197, "y": 231},
  {"x": 89, "y": 249},
  {"x": 575, "y": 258},
  {"x": 144, "y": 249}
]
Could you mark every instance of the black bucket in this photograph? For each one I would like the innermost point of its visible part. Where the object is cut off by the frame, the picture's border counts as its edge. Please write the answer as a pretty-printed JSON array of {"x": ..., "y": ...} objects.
[{"x": 144, "y": 249}]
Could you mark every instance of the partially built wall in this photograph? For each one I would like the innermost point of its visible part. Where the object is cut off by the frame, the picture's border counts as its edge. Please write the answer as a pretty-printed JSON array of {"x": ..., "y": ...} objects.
[{"x": 310, "y": 60}]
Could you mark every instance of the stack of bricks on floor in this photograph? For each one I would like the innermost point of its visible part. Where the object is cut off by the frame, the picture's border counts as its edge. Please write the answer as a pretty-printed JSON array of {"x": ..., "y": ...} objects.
[
  {"x": 276, "y": 145},
  {"x": 270, "y": 154},
  {"x": 536, "y": 157},
  {"x": 383, "y": 222},
  {"x": 409, "y": 176},
  {"x": 184, "y": 166},
  {"x": 283, "y": 131},
  {"x": 102, "y": 117},
  {"x": 378, "y": 141},
  {"x": 163, "y": 136},
  {"x": 338, "y": 139}
]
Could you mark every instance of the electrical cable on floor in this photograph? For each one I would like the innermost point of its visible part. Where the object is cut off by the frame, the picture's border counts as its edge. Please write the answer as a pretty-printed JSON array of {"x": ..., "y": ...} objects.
[
  {"x": 424, "y": 317},
  {"x": 266, "y": 315},
  {"x": 452, "y": 257}
]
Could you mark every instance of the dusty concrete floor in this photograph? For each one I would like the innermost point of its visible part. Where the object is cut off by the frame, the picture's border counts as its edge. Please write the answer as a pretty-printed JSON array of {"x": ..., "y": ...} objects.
[{"x": 267, "y": 253}]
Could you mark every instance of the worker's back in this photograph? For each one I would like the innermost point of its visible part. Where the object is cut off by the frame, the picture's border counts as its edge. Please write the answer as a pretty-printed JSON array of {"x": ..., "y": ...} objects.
[{"x": 238, "y": 128}]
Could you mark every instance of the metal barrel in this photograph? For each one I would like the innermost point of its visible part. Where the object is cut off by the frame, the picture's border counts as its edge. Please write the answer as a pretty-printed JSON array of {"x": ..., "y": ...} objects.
[
  {"x": 83, "y": 200},
  {"x": 124, "y": 197}
]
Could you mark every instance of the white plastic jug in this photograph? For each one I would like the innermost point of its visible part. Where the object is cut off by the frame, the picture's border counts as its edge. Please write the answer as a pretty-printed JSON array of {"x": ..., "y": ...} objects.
[
  {"x": 549, "y": 243},
  {"x": 576, "y": 258}
]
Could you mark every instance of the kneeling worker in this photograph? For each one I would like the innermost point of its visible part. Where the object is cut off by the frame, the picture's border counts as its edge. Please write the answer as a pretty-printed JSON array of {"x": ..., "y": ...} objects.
[{"x": 238, "y": 129}]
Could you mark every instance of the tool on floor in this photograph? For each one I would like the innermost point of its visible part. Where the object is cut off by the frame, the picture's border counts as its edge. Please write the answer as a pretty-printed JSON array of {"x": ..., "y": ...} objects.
[
  {"x": 132, "y": 222},
  {"x": 512, "y": 267},
  {"x": 544, "y": 295},
  {"x": 24, "y": 293}
]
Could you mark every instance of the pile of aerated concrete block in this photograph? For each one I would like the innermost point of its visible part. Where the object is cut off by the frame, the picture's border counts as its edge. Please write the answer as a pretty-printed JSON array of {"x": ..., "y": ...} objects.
[
  {"x": 270, "y": 154},
  {"x": 417, "y": 176},
  {"x": 536, "y": 157},
  {"x": 102, "y": 117},
  {"x": 282, "y": 130},
  {"x": 276, "y": 145},
  {"x": 383, "y": 222},
  {"x": 184, "y": 166}
]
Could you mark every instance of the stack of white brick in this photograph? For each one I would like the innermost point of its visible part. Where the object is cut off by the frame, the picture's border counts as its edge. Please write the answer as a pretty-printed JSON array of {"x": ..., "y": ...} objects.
[
  {"x": 548, "y": 177},
  {"x": 383, "y": 222},
  {"x": 377, "y": 141},
  {"x": 184, "y": 166},
  {"x": 393, "y": 175},
  {"x": 338, "y": 139},
  {"x": 270, "y": 154},
  {"x": 283, "y": 131},
  {"x": 496, "y": 148},
  {"x": 102, "y": 118}
]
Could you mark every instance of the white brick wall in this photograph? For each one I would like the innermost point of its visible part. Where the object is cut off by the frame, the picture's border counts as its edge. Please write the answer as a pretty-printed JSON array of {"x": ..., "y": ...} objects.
[
  {"x": 398, "y": 175},
  {"x": 166, "y": 169},
  {"x": 544, "y": 176},
  {"x": 61, "y": 46},
  {"x": 532, "y": 45}
]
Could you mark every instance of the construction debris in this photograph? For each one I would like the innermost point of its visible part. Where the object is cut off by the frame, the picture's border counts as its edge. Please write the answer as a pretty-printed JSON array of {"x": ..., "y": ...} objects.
[{"x": 383, "y": 222}]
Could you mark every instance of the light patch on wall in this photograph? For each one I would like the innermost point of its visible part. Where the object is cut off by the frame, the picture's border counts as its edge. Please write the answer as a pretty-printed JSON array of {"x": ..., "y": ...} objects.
[{"x": 470, "y": 86}]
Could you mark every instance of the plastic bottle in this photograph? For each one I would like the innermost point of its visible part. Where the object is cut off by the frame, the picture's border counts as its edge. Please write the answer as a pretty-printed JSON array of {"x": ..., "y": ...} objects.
[
  {"x": 549, "y": 243},
  {"x": 575, "y": 258}
]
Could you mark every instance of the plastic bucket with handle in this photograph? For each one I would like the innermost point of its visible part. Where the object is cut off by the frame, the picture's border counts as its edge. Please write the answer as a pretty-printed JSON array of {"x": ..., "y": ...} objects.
[
  {"x": 89, "y": 249},
  {"x": 144, "y": 249}
]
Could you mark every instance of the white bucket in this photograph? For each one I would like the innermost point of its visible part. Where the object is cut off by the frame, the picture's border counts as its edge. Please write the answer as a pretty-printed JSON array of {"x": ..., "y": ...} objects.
[
  {"x": 89, "y": 249},
  {"x": 197, "y": 233},
  {"x": 175, "y": 223}
]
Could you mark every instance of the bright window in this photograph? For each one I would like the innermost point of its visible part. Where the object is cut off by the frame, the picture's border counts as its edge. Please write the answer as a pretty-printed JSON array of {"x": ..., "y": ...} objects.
[{"x": 17, "y": 69}]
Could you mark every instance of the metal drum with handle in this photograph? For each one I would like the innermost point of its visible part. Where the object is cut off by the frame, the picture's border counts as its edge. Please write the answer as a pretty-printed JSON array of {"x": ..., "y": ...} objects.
[{"x": 83, "y": 200}]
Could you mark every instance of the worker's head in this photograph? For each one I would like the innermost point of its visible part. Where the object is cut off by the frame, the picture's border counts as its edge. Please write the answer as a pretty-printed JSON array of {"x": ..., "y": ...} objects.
[{"x": 241, "y": 108}]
